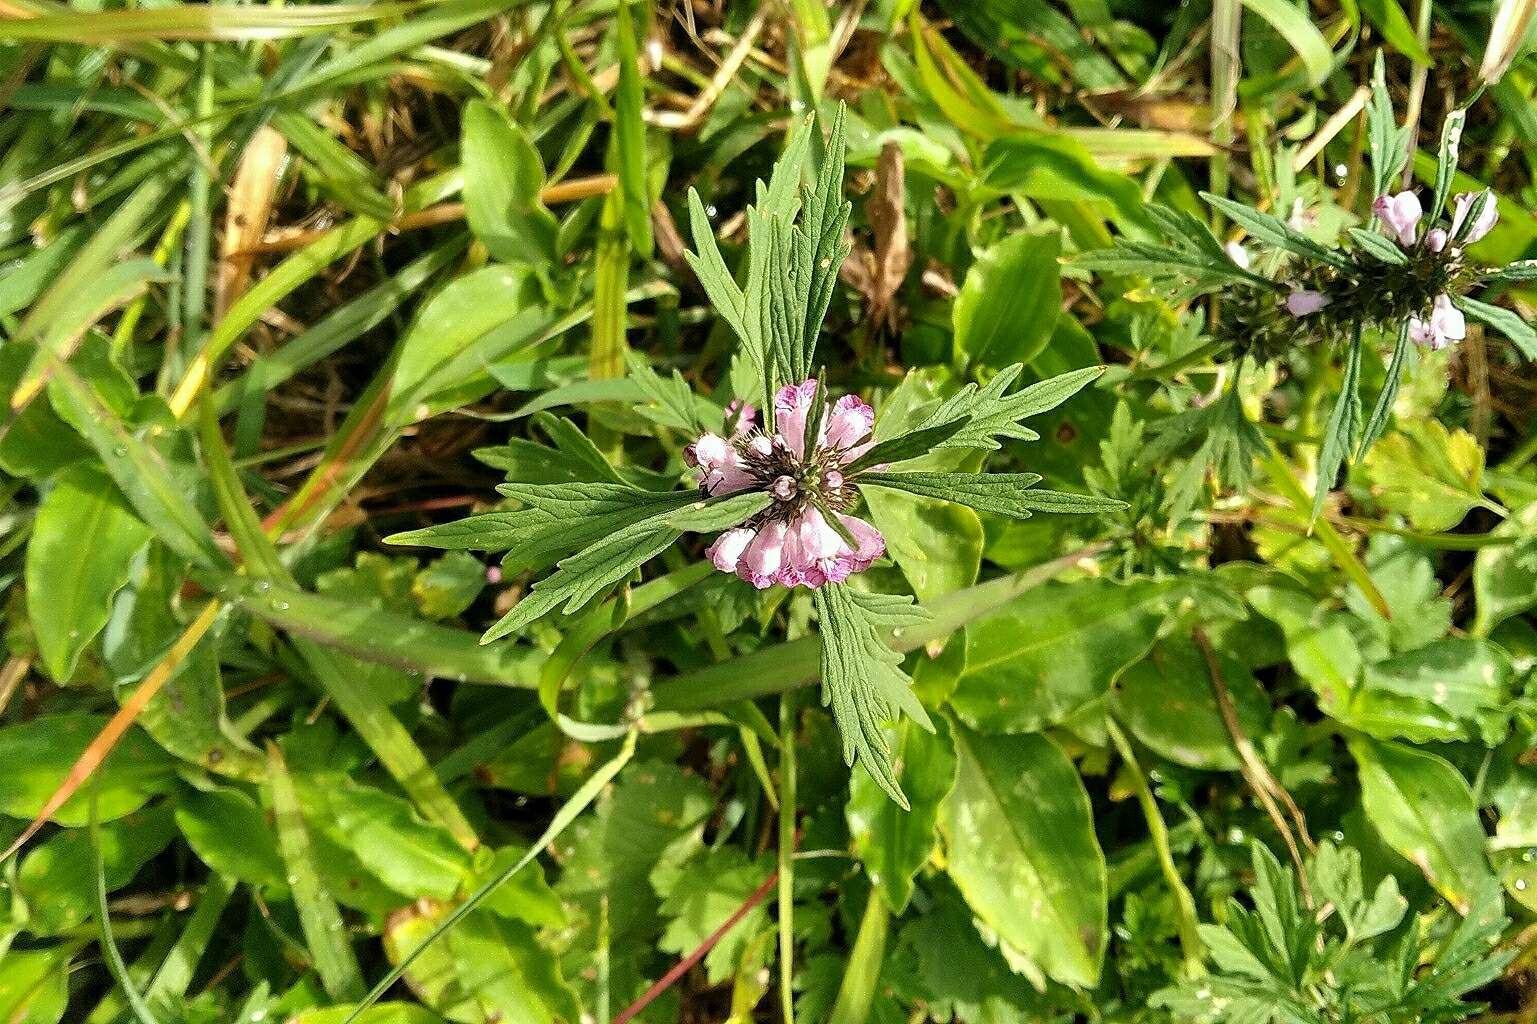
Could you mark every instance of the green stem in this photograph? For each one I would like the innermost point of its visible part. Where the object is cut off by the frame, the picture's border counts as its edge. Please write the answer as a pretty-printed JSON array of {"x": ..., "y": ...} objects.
[
  {"x": 857, "y": 992},
  {"x": 1339, "y": 549},
  {"x": 786, "y": 895},
  {"x": 1192, "y": 358},
  {"x": 1186, "y": 921}
]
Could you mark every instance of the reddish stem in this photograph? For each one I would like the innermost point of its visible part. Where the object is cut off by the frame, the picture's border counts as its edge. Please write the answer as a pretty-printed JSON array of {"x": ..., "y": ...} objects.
[{"x": 681, "y": 968}]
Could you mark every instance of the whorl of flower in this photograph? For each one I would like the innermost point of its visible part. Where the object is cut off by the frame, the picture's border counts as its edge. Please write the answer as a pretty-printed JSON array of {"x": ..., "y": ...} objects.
[{"x": 806, "y": 537}]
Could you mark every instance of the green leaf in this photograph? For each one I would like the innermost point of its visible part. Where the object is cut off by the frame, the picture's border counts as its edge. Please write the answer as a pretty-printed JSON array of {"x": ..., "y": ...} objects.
[
  {"x": 559, "y": 518},
  {"x": 473, "y": 321},
  {"x": 229, "y": 833},
  {"x": 1344, "y": 427},
  {"x": 1457, "y": 688},
  {"x": 1052, "y": 167},
  {"x": 1296, "y": 27},
  {"x": 595, "y": 569},
  {"x": 672, "y": 398},
  {"x": 1422, "y": 807},
  {"x": 911, "y": 444},
  {"x": 1272, "y": 230},
  {"x": 936, "y": 544},
  {"x": 1446, "y": 162},
  {"x": 411, "y": 856},
  {"x": 1428, "y": 473},
  {"x": 891, "y": 843},
  {"x": 1009, "y": 302},
  {"x": 1387, "y": 142},
  {"x": 1019, "y": 839},
  {"x": 1001, "y": 494},
  {"x": 1167, "y": 702},
  {"x": 861, "y": 678},
  {"x": 1377, "y": 423},
  {"x": 57, "y": 879},
  {"x": 1048, "y": 652},
  {"x": 38, "y": 755},
  {"x": 988, "y": 413},
  {"x": 1382, "y": 248},
  {"x": 324, "y": 931},
  {"x": 1502, "y": 320},
  {"x": 34, "y": 985},
  {"x": 502, "y": 178},
  {"x": 1505, "y": 577},
  {"x": 630, "y": 135},
  {"x": 699, "y": 894},
  {"x": 84, "y": 540}
]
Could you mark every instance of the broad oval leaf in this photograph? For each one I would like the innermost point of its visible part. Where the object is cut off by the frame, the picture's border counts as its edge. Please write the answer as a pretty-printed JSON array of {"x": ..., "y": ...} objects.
[
  {"x": 1019, "y": 833},
  {"x": 1422, "y": 807},
  {"x": 1167, "y": 701},
  {"x": 502, "y": 179},
  {"x": 84, "y": 540},
  {"x": 892, "y": 843},
  {"x": 37, "y": 756},
  {"x": 1053, "y": 649},
  {"x": 1009, "y": 303}
]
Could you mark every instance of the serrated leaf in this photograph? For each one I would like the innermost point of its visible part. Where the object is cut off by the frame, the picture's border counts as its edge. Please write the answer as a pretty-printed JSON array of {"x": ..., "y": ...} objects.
[
  {"x": 1383, "y": 248},
  {"x": 989, "y": 414},
  {"x": 559, "y": 519},
  {"x": 1502, "y": 320},
  {"x": 1446, "y": 162},
  {"x": 1274, "y": 231},
  {"x": 909, "y": 445},
  {"x": 1521, "y": 270},
  {"x": 1004, "y": 494},
  {"x": 1344, "y": 426},
  {"x": 1385, "y": 140},
  {"x": 861, "y": 678},
  {"x": 672, "y": 397},
  {"x": 1383, "y": 410},
  {"x": 595, "y": 569}
]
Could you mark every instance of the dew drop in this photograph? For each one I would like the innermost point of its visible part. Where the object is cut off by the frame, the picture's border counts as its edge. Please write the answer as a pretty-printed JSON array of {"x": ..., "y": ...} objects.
[
  {"x": 262, "y": 586},
  {"x": 120, "y": 451}
]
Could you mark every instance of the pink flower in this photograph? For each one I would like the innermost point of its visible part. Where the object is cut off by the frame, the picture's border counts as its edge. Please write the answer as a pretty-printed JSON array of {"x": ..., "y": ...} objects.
[
  {"x": 791, "y": 408},
  {"x": 1462, "y": 205},
  {"x": 1400, "y": 214},
  {"x": 727, "y": 550},
  {"x": 740, "y": 415},
  {"x": 792, "y": 543},
  {"x": 1446, "y": 325},
  {"x": 1301, "y": 302},
  {"x": 719, "y": 463},
  {"x": 1435, "y": 239},
  {"x": 764, "y": 555}
]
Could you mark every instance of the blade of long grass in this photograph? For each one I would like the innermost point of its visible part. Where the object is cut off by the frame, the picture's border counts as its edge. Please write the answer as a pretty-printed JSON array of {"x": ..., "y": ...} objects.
[
  {"x": 176, "y": 971},
  {"x": 114, "y": 956},
  {"x": 568, "y": 813},
  {"x": 199, "y": 22},
  {"x": 324, "y": 931}
]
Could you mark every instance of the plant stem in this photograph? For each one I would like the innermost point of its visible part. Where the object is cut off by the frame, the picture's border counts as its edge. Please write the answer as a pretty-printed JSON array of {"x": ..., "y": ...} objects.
[
  {"x": 1338, "y": 549},
  {"x": 786, "y": 898},
  {"x": 1189, "y": 937}
]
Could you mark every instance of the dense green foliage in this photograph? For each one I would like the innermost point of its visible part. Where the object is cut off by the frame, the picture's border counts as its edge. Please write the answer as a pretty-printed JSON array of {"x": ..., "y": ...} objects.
[{"x": 362, "y": 646}]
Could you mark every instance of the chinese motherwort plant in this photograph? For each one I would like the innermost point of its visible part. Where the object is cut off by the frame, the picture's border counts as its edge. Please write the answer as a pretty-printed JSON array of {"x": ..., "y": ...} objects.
[
  {"x": 1406, "y": 276},
  {"x": 779, "y": 472}
]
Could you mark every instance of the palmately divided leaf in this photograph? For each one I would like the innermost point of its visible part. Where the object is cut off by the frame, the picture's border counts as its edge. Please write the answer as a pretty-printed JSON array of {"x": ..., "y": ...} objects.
[
  {"x": 861, "y": 676},
  {"x": 593, "y": 570},
  {"x": 1003, "y": 494},
  {"x": 989, "y": 414}
]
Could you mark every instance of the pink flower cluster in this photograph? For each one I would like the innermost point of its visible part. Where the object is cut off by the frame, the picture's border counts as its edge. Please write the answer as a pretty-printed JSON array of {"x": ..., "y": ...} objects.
[
  {"x": 793, "y": 542},
  {"x": 1400, "y": 215}
]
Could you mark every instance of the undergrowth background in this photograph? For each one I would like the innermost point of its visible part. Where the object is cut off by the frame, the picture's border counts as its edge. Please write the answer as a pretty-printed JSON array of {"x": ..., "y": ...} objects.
[{"x": 278, "y": 282}]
